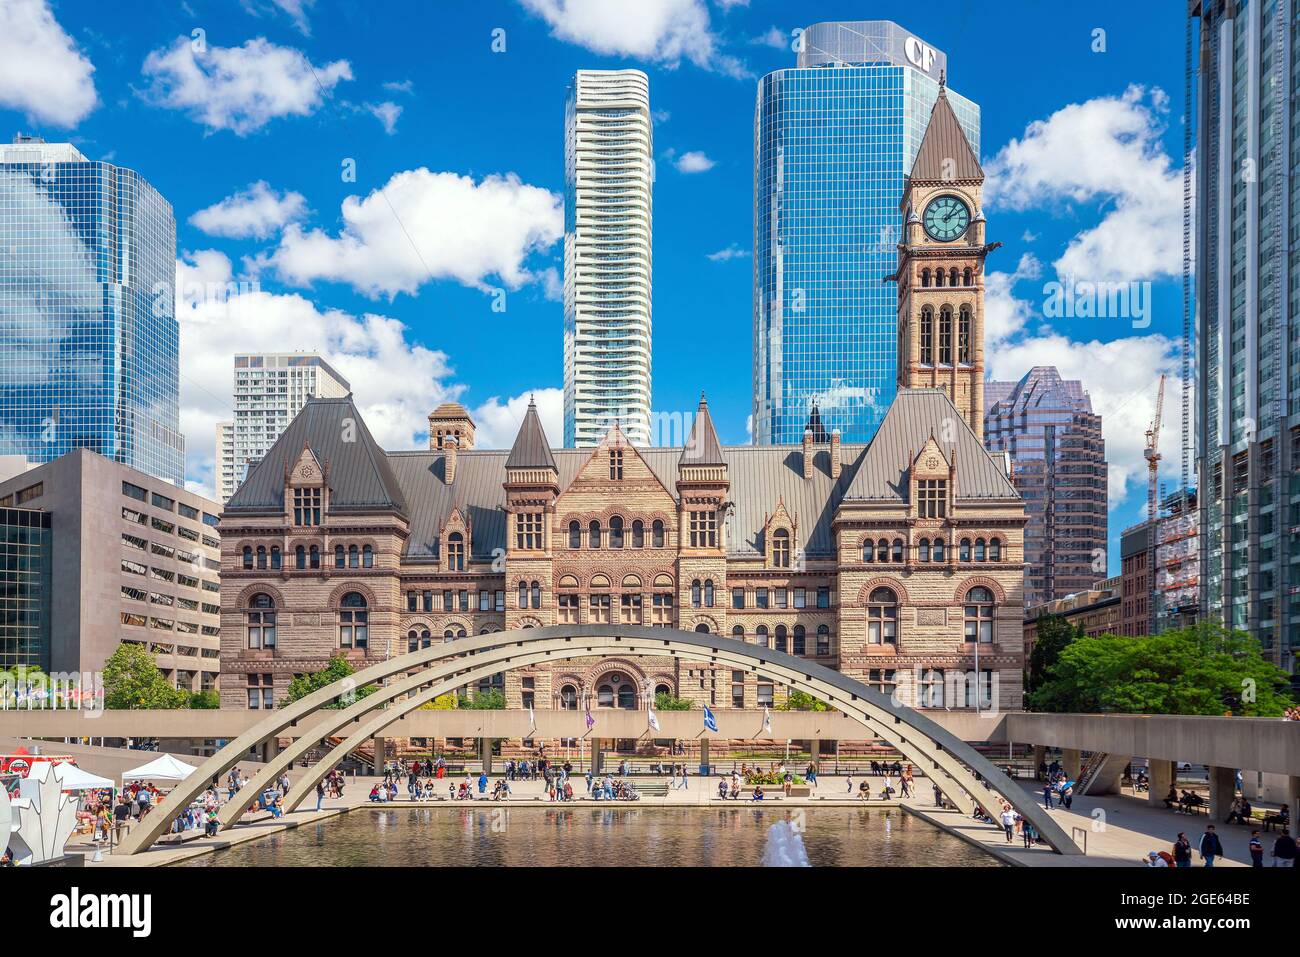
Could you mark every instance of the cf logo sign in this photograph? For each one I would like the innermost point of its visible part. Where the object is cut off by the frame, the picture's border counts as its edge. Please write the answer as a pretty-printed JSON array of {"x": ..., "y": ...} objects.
[{"x": 920, "y": 54}]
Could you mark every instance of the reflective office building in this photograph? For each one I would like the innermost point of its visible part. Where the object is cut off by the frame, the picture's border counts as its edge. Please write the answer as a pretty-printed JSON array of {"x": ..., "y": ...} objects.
[
  {"x": 88, "y": 335},
  {"x": 1248, "y": 318},
  {"x": 25, "y": 587},
  {"x": 833, "y": 139}
]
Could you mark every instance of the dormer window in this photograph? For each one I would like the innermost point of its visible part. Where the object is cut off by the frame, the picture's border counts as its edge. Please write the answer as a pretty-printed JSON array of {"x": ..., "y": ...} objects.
[
  {"x": 781, "y": 548},
  {"x": 455, "y": 552},
  {"x": 932, "y": 498},
  {"x": 306, "y": 506}
]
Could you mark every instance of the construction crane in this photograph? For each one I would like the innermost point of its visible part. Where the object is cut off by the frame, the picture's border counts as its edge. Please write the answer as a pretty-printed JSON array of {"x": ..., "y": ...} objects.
[{"x": 1152, "y": 454}]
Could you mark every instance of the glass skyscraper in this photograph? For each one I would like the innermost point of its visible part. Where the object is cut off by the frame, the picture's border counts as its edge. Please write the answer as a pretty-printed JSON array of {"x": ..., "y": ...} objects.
[
  {"x": 1248, "y": 316},
  {"x": 25, "y": 587},
  {"x": 88, "y": 335},
  {"x": 834, "y": 138}
]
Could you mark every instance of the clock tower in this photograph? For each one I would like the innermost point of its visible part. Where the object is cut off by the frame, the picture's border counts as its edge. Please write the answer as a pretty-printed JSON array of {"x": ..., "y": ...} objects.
[{"x": 941, "y": 269}]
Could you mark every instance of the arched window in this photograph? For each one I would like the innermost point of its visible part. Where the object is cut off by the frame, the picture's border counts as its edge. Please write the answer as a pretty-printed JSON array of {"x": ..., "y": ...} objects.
[
  {"x": 261, "y": 621},
  {"x": 627, "y": 696},
  {"x": 738, "y": 632},
  {"x": 780, "y": 638},
  {"x": 963, "y": 335},
  {"x": 275, "y": 557},
  {"x": 979, "y": 615},
  {"x": 882, "y": 551},
  {"x": 995, "y": 549},
  {"x": 781, "y": 548},
  {"x": 923, "y": 550},
  {"x": 523, "y": 594},
  {"x": 952, "y": 276},
  {"x": 300, "y": 557},
  {"x": 354, "y": 621},
  {"x": 415, "y": 640},
  {"x": 963, "y": 550},
  {"x": 696, "y": 592},
  {"x": 354, "y": 557},
  {"x": 868, "y": 551},
  {"x": 616, "y": 532},
  {"x": 798, "y": 646},
  {"x": 568, "y": 698},
  {"x": 925, "y": 277},
  {"x": 261, "y": 556},
  {"x": 945, "y": 335},
  {"x": 927, "y": 335},
  {"x": 662, "y": 689},
  {"x": 314, "y": 555},
  {"x": 248, "y": 557},
  {"x": 638, "y": 534},
  {"x": 702, "y": 628},
  {"x": 708, "y": 593},
  {"x": 575, "y": 534},
  {"x": 938, "y": 277},
  {"x": 605, "y": 696},
  {"x": 760, "y": 636},
  {"x": 367, "y": 557},
  {"x": 657, "y": 533},
  {"x": 882, "y": 617},
  {"x": 938, "y": 550},
  {"x": 593, "y": 534},
  {"x": 896, "y": 551},
  {"x": 967, "y": 277},
  {"x": 537, "y": 594},
  {"x": 979, "y": 549},
  {"x": 456, "y": 552},
  {"x": 823, "y": 640},
  {"x": 340, "y": 561}
]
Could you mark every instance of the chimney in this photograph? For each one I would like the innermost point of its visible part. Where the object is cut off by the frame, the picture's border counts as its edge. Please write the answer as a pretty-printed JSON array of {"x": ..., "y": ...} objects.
[
  {"x": 449, "y": 447},
  {"x": 836, "y": 465},
  {"x": 807, "y": 453}
]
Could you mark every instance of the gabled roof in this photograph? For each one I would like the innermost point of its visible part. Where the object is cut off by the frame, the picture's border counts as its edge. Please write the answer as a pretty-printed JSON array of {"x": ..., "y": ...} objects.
[
  {"x": 945, "y": 153},
  {"x": 531, "y": 450},
  {"x": 359, "y": 475},
  {"x": 915, "y": 416},
  {"x": 702, "y": 446}
]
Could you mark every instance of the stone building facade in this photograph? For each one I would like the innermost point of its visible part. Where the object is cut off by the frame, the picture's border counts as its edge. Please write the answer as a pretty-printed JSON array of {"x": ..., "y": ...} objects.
[{"x": 899, "y": 562}]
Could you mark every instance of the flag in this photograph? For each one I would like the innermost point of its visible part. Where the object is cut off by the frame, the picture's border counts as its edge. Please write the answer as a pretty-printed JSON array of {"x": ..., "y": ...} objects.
[
  {"x": 591, "y": 722},
  {"x": 710, "y": 722},
  {"x": 654, "y": 721},
  {"x": 767, "y": 720}
]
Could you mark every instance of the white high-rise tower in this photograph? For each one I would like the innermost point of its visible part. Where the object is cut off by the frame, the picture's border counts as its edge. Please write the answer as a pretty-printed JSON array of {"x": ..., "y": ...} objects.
[{"x": 609, "y": 172}]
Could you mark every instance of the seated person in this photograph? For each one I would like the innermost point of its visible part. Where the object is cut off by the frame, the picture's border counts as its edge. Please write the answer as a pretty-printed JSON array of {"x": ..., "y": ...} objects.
[
  {"x": 758, "y": 792},
  {"x": 722, "y": 788},
  {"x": 374, "y": 793},
  {"x": 1172, "y": 797},
  {"x": 864, "y": 791}
]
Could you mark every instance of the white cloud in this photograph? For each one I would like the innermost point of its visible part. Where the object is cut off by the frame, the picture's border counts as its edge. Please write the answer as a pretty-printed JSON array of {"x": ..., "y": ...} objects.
[
  {"x": 661, "y": 31},
  {"x": 774, "y": 37},
  {"x": 731, "y": 252},
  {"x": 1004, "y": 314},
  {"x": 660, "y": 116},
  {"x": 424, "y": 225},
  {"x": 239, "y": 88},
  {"x": 1121, "y": 377},
  {"x": 257, "y": 211},
  {"x": 496, "y": 422},
  {"x": 1108, "y": 152},
  {"x": 387, "y": 114},
  {"x": 405, "y": 86},
  {"x": 42, "y": 73},
  {"x": 693, "y": 161},
  {"x": 396, "y": 382}
]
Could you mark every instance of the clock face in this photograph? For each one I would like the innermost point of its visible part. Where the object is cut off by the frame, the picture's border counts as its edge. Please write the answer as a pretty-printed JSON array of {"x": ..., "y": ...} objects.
[{"x": 946, "y": 218}]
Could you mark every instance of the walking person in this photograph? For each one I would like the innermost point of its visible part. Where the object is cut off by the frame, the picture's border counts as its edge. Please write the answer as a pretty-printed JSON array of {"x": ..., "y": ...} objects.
[
  {"x": 1008, "y": 818},
  {"x": 1256, "y": 849},
  {"x": 1182, "y": 851},
  {"x": 1285, "y": 852},
  {"x": 1210, "y": 847},
  {"x": 812, "y": 773},
  {"x": 320, "y": 794},
  {"x": 1047, "y": 795}
]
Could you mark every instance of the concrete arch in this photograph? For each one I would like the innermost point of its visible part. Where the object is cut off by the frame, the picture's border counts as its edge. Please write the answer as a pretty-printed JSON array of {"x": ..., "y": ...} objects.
[{"x": 429, "y": 672}]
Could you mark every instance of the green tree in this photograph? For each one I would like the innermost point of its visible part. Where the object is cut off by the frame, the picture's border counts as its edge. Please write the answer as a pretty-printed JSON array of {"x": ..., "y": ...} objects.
[
  {"x": 1053, "y": 635},
  {"x": 802, "y": 701},
  {"x": 205, "y": 700},
  {"x": 1201, "y": 669},
  {"x": 132, "y": 682},
  {"x": 336, "y": 670},
  {"x": 492, "y": 700},
  {"x": 667, "y": 701}
]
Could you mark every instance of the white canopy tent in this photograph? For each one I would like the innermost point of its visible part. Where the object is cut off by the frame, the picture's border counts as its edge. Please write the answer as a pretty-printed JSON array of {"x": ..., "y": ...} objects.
[
  {"x": 73, "y": 778},
  {"x": 163, "y": 768}
]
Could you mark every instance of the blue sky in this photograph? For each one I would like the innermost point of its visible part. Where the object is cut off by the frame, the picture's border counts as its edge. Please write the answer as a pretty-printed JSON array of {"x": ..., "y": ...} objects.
[{"x": 247, "y": 115}]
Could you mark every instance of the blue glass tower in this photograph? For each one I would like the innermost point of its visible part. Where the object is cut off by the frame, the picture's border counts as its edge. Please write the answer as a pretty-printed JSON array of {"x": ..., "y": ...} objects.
[
  {"x": 88, "y": 334},
  {"x": 833, "y": 140}
]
